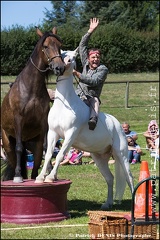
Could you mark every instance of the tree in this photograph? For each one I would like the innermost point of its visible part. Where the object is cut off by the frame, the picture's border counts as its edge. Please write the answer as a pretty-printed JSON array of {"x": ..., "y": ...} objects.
[
  {"x": 16, "y": 46},
  {"x": 90, "y": 9},
  {"x": 64, "y": 12},
  {"x": 139, "y": 15}
]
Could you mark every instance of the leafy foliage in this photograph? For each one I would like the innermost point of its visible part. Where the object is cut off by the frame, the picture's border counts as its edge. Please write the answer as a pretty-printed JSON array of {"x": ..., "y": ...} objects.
[
  {"x": 63, "y": 12},
  {"x": 16, "y": 46},
  {"x": 139, "y": 15},
  {"x": 128, "y": 35}
]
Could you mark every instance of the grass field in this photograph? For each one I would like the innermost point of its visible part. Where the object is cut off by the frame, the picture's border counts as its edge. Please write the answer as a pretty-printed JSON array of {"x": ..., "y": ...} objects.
[
  {"x": 143, "y": 97},
  {"x": 88, "y": 189},
  {"x": 87, "y": 192}
]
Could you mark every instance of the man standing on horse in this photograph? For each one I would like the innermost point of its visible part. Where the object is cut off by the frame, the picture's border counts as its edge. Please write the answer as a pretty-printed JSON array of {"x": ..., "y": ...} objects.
[{"x": 93, "y": 75}]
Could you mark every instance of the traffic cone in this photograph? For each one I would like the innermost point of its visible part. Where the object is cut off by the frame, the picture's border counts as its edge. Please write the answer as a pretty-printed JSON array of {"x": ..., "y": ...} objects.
[{"x": 140, "y": 200}]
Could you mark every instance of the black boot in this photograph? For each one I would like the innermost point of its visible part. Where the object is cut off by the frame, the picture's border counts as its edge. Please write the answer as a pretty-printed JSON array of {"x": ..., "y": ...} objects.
[{"x": 92, "y": 123}]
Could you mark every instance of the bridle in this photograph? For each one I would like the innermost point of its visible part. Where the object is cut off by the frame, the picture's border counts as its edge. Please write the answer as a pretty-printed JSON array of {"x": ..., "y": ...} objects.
[
  {"x": 49, "y": 60},
  {"x": 45, "y": 70},
  {"x": 47, "y": 56}
]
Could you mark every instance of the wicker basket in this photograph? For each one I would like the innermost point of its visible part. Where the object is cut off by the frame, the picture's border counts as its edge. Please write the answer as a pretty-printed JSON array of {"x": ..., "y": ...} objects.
[{"x": 113, "y": 225}]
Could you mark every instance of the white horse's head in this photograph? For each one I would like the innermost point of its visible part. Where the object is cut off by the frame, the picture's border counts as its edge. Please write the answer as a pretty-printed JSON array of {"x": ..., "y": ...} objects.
[{"x": 69, "y": 58}]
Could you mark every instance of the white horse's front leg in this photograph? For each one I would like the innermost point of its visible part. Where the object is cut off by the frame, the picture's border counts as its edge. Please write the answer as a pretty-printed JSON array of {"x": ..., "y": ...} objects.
[
  {"x": 52, "y": 139},
  {"x": 41, "y": 177},
  {"x": 53, "y": 174},
  {"x": 60, "y": 157}
]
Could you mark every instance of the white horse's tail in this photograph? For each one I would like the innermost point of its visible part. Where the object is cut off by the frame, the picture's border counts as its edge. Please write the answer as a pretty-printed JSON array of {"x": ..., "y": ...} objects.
[
  {"x": 120, "y": 154},
  {"x": 120, "y": 181}
]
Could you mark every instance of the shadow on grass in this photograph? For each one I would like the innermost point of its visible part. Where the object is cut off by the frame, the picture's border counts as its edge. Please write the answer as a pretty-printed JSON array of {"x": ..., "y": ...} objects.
[{"x": 79, "y": 208}]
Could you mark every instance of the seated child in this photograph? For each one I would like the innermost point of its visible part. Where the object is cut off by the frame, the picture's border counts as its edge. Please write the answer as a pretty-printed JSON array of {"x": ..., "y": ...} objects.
[
  {"x": 74, "y": 157},
  {"x": 134, "y": 151},
  {"x": 151, "y": 134},
  {"x": 157, "y": 147}
]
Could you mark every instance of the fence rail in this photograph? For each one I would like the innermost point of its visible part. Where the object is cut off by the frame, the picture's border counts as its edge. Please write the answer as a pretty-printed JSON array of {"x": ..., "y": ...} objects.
[
  {"x": 127, "y": 82},
  {"x": 127, "y": 88}
]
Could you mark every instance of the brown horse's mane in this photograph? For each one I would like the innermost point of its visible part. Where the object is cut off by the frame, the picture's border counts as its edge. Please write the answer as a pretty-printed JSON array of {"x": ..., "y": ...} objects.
[{"x": 47, "y": 34}]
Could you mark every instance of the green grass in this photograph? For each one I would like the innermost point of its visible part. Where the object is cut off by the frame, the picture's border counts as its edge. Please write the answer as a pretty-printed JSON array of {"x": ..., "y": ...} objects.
[
  {"x": 88, "y": 189},
  {"x": 87, "y": 192},
  {"x": 142, "y": 107}
]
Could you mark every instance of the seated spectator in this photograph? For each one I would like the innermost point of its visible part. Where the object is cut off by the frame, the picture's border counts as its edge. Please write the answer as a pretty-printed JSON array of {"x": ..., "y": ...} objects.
[
  {"x": 151, "y": 134},
  {"x": 57, "y": 148},
  {"x": 88, "y": 155},
  {"x": 134, "y": 151},
  {"x": 157, "y": 146},
  {"x": 74, "y": 157},
  {"x": 128, "y": 132},
  {"x": 154, "y": 153}
]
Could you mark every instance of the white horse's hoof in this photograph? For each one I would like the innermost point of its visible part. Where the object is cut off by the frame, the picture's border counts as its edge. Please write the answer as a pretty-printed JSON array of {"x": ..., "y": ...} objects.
[
  {"x": 48, "y": 180},
  {"x": 17, "y": 179},
  {"x": 39, "y": 181}
]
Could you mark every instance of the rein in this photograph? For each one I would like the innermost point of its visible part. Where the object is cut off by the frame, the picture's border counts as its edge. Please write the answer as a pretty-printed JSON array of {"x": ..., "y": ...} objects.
[
  {"x": 81, "y": 87},
  {"x": 57, "y": 80},
  {"x": 37, "y": 67},
  {"x": 88, "y": 102},
  {"x": 48, "y": 60}
]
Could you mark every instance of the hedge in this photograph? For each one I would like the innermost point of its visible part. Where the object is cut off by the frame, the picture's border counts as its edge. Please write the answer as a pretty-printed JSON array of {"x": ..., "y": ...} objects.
[{"x": 123, "y": 50}]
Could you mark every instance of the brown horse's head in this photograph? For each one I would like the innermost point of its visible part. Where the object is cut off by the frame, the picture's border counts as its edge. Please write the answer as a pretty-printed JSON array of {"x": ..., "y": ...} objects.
[{"x": 50, "y": 45}]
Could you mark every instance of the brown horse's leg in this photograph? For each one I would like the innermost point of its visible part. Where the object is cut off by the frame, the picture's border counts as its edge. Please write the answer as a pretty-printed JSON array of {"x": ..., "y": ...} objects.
[
  {"x": 19, "y": 149},
  {"x": 38, "y": 153},
  {"x": 9, "y": 144},
  {"x": 18, "y": 177},
  {"x": 24, "y": 171}
]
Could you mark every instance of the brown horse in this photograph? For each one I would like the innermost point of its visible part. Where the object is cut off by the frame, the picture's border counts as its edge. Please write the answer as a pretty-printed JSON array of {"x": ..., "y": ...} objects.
[{"x": 25, "y": 107}]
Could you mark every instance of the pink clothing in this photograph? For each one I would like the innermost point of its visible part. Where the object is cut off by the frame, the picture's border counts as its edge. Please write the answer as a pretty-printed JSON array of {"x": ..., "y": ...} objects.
[
  {"x": 152, "y": 122},
  {"x": 75, "y": 156},
  {"x": 153, "y": 130}
]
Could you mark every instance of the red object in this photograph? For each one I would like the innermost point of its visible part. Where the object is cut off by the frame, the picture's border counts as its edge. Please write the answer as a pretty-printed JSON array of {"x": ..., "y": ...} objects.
[
  {"x": 141, "y": 192},
  {"x": 29, "y": 202},
  {"x": 94, "y": 52}
]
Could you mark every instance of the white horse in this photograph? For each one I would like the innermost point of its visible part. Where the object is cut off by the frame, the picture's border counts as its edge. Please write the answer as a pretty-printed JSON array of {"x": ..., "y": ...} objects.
[{"x": 68, "y": 119}]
